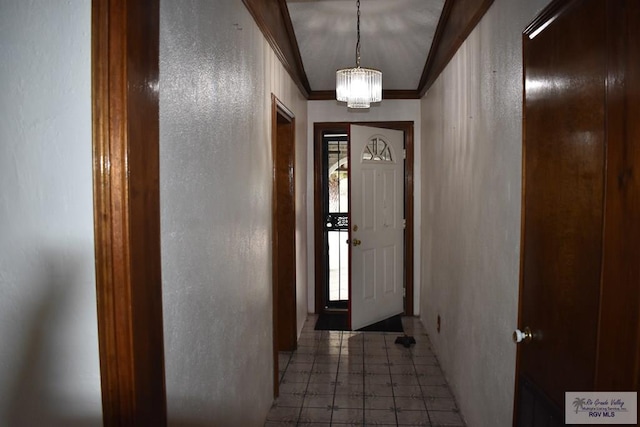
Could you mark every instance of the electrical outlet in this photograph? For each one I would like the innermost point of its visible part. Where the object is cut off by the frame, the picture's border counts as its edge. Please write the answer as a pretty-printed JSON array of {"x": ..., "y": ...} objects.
[{"x": 438, "y": 327}]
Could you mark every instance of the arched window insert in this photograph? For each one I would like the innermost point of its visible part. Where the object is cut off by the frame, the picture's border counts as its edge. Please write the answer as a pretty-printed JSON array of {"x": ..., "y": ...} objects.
[{"x": 377, "y": 150}]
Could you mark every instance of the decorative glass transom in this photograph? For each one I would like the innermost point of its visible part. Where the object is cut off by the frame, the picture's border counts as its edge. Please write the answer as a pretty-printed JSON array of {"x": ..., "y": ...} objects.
[{"x": 377, "y": 150}]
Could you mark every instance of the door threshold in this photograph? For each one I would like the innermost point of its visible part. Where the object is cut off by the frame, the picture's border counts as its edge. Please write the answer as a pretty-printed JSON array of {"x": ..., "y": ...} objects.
[{"x": 335, "y": 310}]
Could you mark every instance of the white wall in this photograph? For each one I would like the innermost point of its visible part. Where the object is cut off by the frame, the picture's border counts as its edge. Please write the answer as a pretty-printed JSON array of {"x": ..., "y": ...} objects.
[
  {"x": 388, "y": 110},
  {"x": 472, "y": 139},
  {"x": 217, "y": 74},
  {"x": 49, "y": 368}
]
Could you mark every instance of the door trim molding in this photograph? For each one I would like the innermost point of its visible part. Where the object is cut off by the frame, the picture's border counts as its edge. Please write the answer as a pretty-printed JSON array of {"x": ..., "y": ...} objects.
[
  {"x": 125, "y": 63},
  {"x": 408, "y": 128}
]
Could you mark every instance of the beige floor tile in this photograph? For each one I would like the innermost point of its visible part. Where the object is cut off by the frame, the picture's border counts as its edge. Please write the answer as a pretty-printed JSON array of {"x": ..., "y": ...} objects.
[
  {"x": 379, "y": 402},
  {"x": 446, "y": 418},
  {"x": 347, "y": 415},
  {"x": 321, "y": 415},
  {"x": 406, "y": 403},
  {"x": 345, "y": 401},
  {"x": 379, "y": 416},
  {"x": 320, "y": 401},
  {"x": 413, "y": 418},
  {"x": 343, "y": 379}
]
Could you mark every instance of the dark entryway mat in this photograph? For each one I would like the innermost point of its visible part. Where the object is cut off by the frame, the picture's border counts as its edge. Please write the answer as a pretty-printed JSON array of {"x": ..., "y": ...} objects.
[
  {"x": 332, "y": 322},
  {"x": 338, "y": 322}
]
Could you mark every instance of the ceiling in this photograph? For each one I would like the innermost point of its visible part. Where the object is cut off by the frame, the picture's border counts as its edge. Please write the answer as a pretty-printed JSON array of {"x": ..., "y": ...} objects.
[
  {"x": 395, "y": 37},
  {"x": 410, "y": 41}
]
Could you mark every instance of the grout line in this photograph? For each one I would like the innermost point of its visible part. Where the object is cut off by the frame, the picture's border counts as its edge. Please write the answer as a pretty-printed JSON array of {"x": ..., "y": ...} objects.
[
  {"x": 304, "y": 396},
  {"x": 335, "y": 383},
  {"x": 422, "y": 394},
  {"x": 284, "y": 371},
  {"x": 393, "y": 393},
  {"x": 364, "y": 383}
]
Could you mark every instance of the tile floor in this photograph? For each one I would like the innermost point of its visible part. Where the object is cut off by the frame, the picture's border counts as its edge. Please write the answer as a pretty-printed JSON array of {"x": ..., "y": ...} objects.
[{"x": 362, "y": 379}]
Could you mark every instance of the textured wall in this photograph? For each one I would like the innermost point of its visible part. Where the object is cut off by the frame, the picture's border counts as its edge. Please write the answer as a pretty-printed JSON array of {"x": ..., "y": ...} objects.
[
  {"x": 49, "y": 369},
  {"x": 217, "y": 74},
  {"x": 471, "y": 212},
  {"x": 388, "y": 110}
]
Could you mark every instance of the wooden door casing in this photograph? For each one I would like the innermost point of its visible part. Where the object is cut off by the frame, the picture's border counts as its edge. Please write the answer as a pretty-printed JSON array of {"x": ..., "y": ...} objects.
[
  {"x": 126, "y": 157},
  {"x": 619, "y": 329}
]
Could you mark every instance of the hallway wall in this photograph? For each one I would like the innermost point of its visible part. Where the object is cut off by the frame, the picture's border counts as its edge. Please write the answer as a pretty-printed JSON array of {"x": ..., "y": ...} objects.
[
  {"x": 472, "y": 140},
  {"x": 217, "y": 73},
  {"x": 49, "y": 367},
  {"x": 388, "y": 110}
]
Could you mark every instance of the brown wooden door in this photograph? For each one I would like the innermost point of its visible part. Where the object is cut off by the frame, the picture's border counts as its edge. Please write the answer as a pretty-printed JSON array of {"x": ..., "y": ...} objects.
[
  {"x": 284, "y": 231},
  {"x": 568, "y": 89},
  {"x": 285, "y": 327}
]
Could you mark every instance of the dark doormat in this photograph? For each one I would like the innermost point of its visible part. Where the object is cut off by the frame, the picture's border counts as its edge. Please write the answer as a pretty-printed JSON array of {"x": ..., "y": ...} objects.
[
  {"x": 334, "y": 321},
  {"x": 338, "y": 322}
]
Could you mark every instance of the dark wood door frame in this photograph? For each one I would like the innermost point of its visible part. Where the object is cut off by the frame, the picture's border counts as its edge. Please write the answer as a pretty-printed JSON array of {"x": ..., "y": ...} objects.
[
  {"x": 283, "y": 232},
  {"x": 343, "y": 127},
  {"x": 125, "y": 63}
]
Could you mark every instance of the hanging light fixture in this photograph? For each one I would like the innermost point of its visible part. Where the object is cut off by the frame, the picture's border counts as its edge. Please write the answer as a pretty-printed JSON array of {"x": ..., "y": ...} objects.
[{"x": 358, "y": 86}]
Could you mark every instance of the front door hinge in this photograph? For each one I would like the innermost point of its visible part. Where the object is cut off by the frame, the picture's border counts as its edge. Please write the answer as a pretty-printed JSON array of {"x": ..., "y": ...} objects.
[
  {"x": 404, "y": 153},
  {"x": 404, "y": 292},
  {"x": 404, "y": 223}
]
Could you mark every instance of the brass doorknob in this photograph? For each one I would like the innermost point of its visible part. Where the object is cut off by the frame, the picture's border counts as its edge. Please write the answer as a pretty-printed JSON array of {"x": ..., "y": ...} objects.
[
  {"x": 356, "y": 242},
  {"x": 520, "y": 336}
]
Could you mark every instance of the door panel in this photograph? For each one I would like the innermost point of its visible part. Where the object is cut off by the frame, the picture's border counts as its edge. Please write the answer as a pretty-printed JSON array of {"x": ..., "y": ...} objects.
[
  {"x": 580, "y": 281},
  {"x": 580, "y": 68},
  {"x": 323, "y": 131},
  {"x": 390, "y": 263},
  {"x": 368, "y": 194},
  {"x": 564, "y": 178},
  {"x": 368, "y": 281},
  {"x": 377, "y": 233}
]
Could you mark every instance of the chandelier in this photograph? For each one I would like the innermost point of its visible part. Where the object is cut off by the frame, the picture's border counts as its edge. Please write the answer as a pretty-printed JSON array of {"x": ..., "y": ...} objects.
[{"x": 358, "y": 86}]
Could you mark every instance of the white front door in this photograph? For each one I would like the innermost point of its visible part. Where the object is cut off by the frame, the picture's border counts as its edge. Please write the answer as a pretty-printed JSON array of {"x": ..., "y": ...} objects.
[{"x": 377, "y": 224}]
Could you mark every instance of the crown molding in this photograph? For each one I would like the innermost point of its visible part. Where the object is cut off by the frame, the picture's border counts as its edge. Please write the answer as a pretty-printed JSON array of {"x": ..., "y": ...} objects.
[
  {"x": 458, "y": 19},
  {"x": 272, "y": 18}
]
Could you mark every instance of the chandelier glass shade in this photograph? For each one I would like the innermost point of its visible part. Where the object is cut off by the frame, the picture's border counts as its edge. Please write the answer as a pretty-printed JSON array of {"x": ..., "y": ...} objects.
[{"x": 358, "y": 86}]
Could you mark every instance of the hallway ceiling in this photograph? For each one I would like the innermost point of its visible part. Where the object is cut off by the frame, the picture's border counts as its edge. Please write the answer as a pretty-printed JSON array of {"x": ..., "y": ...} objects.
[
  {"x": 410, "y": 41},
  {"x": 395, "y": 37}
]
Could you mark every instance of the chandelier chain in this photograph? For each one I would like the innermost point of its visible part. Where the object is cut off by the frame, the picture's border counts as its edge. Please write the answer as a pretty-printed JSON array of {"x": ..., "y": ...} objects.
[
  {"x": 358, "y": 42},
  {"x": 358, "y": 87}
]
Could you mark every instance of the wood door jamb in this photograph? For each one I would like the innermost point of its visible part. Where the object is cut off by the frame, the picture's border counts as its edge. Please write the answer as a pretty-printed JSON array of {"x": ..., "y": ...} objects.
[{"x": 125, "y": 58}]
